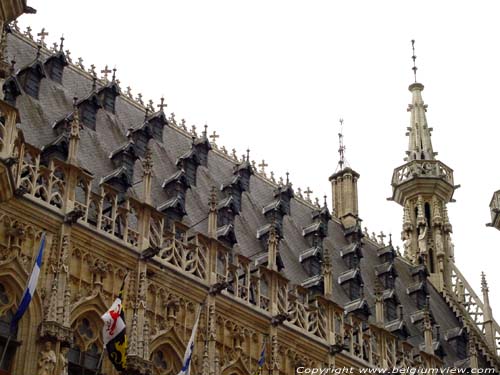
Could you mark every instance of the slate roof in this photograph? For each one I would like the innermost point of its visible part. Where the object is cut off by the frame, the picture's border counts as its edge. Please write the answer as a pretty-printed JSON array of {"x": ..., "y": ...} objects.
[{"x": 56, "y": 102}]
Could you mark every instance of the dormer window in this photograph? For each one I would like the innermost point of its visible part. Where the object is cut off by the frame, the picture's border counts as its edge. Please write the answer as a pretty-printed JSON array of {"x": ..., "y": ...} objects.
[
  {"x": 391, "y": 309},
  {"x": 89, "y": 115},
  {"x": 352, "y": 283},
  {"x": 225, "y": 216},
  {"x": 54, "y": 67},
  {"x": 108, "y": 102},
  {"x": 32, "y": 83},
  {"x": 108, "y": 96}
]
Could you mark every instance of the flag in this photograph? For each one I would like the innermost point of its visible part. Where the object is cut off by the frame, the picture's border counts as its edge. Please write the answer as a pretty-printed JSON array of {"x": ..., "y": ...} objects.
[
  {"x": 262, "y": 358},
  {"x": 30, "y": 288},
  {"x": 190, "y": 346},
  {"x": 114, "y": 332}
]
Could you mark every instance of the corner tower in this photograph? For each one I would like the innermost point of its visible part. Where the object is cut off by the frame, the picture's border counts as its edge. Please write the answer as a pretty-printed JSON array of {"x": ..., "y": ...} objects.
[{"x": 424, "y": 186}]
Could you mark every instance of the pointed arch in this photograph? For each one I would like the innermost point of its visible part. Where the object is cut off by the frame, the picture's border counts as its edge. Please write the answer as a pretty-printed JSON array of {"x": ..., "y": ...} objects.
[
  {"x": 167, "y": 351},
  {"x": 93, "y": 304},
  {"x": 236, "y": 367},
  {"x": 86, "y": 325}
]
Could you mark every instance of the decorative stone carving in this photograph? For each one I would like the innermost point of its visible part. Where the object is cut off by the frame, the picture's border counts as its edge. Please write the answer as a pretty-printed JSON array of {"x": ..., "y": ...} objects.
[
  {"x": 47, "y": 360},
  {"x": 422, "y": 240},
  {"x": 63, "y": 361},
  {"x": 407, "y": 240}
]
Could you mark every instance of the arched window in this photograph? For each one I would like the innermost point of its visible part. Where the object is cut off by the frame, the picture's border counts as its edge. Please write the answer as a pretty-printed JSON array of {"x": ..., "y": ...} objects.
[
  {"x": 7, "y": 311},
  {"x": 165, "y": 361},
  {"x": 84, "y": 355}
]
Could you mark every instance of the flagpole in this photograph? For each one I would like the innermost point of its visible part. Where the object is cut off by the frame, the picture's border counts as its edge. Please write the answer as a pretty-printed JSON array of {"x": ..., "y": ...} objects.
[
  {"x": 5, "y": 350},
  {"x": 99, "y": 363}
]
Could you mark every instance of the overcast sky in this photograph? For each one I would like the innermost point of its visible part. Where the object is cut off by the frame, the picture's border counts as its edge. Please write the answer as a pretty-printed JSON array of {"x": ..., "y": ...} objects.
[{"x": 276, "y": 76}]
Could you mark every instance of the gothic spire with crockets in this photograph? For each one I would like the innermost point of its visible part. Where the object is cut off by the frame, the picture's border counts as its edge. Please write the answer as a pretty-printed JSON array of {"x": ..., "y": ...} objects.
[{"x": 419, "y": 143}]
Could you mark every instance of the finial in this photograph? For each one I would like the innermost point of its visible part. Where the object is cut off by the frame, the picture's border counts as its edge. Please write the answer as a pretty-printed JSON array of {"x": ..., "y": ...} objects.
[
  {"x": 146, "y": 114},
  {"x": 248, "y": 154},
  {"x": 147, "y": 163},
  {"x": 42, "y": 34},
  {"x": 263, "y": 166},
  {"x": 38, "y": 50},
  {"x": 139, "y": 99},
  {"x": 28, "y": 32},
  {"x": 92, "y": 70},
  {"x": 15, "y": 25},
  {"x": 162, "y": 104},
  {"x": 484, "y": 283},
  {"x": 414, "y": 57},
  {"x": 113, "y": 78},
  {"x": 80, "y": 63},
  {"x": 61, "y": 44},
  {"x": 212, "y": 202},
  {"x": 390, "y": 239},
  {"x": 341, "y": 145},
  {"x": 54, "y": 47},
  {"x": 308, "y": 193},
  {"x": 214, "y": 136},
  {"x": 151, "y": 105},
  {"x": 205, "y": 130},
  {"x": 129, "y": 92},
  {"x": 68, "y": 55},
  {"x": 324, "y": 200},
  {"x": 287, "y": 178},
  {"x": 105, "y": 71},
  {"x": 272, "y": 178}
]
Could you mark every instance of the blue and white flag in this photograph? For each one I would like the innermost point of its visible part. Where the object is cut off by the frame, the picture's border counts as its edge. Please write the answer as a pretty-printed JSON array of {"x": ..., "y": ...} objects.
[
  {"x": 262, "y": 358},
  {"x": 190, "y": 347},
  {"x": 30, "y": 288}
]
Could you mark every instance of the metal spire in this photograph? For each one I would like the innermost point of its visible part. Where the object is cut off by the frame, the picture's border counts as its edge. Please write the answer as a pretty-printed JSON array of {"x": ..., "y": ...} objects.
[
  {"x": 414, "y": 57},
  {"x": 420, "y": 144},
  {"x": 342, "y": 160}
]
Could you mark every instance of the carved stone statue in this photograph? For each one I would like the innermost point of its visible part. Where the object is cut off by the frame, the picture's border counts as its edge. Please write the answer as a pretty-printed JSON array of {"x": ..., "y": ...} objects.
[
  {"x": 406, "y": 237},
  {"x": 63, "y": 361},
  {"x": 451, "y": 247},
  {"x": 438, "y": 239},
  {"x": 47, "y": 360},
  {"x": 422, "y": 240}
]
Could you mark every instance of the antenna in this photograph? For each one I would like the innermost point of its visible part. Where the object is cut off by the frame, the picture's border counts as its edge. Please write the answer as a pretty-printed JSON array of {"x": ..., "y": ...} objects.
[
  {"x": 341, "y": 145},
  {"x": 414, "y": 57}
]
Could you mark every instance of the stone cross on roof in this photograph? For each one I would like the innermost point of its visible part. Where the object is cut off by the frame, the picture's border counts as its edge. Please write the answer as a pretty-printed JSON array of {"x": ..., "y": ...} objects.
[
  {"x": 308, "y": 193},
  {"x": 106, "y": 71},
  {"x": 381, "y": 237},
  {"x": 263, "y": 166},
  {"x": 42, "y": 34},
  {"x": 162, "y": 104},
  {"x": 214, "y": 136}
]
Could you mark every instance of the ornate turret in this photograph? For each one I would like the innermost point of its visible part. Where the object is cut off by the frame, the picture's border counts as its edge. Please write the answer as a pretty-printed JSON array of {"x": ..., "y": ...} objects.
[
  {"x": 423, "y": 186},
  {"x": 345, "y": 189}
]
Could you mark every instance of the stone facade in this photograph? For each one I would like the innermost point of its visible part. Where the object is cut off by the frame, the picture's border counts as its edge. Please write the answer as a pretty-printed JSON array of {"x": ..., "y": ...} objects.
[{"x": 97, "y": 231}]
